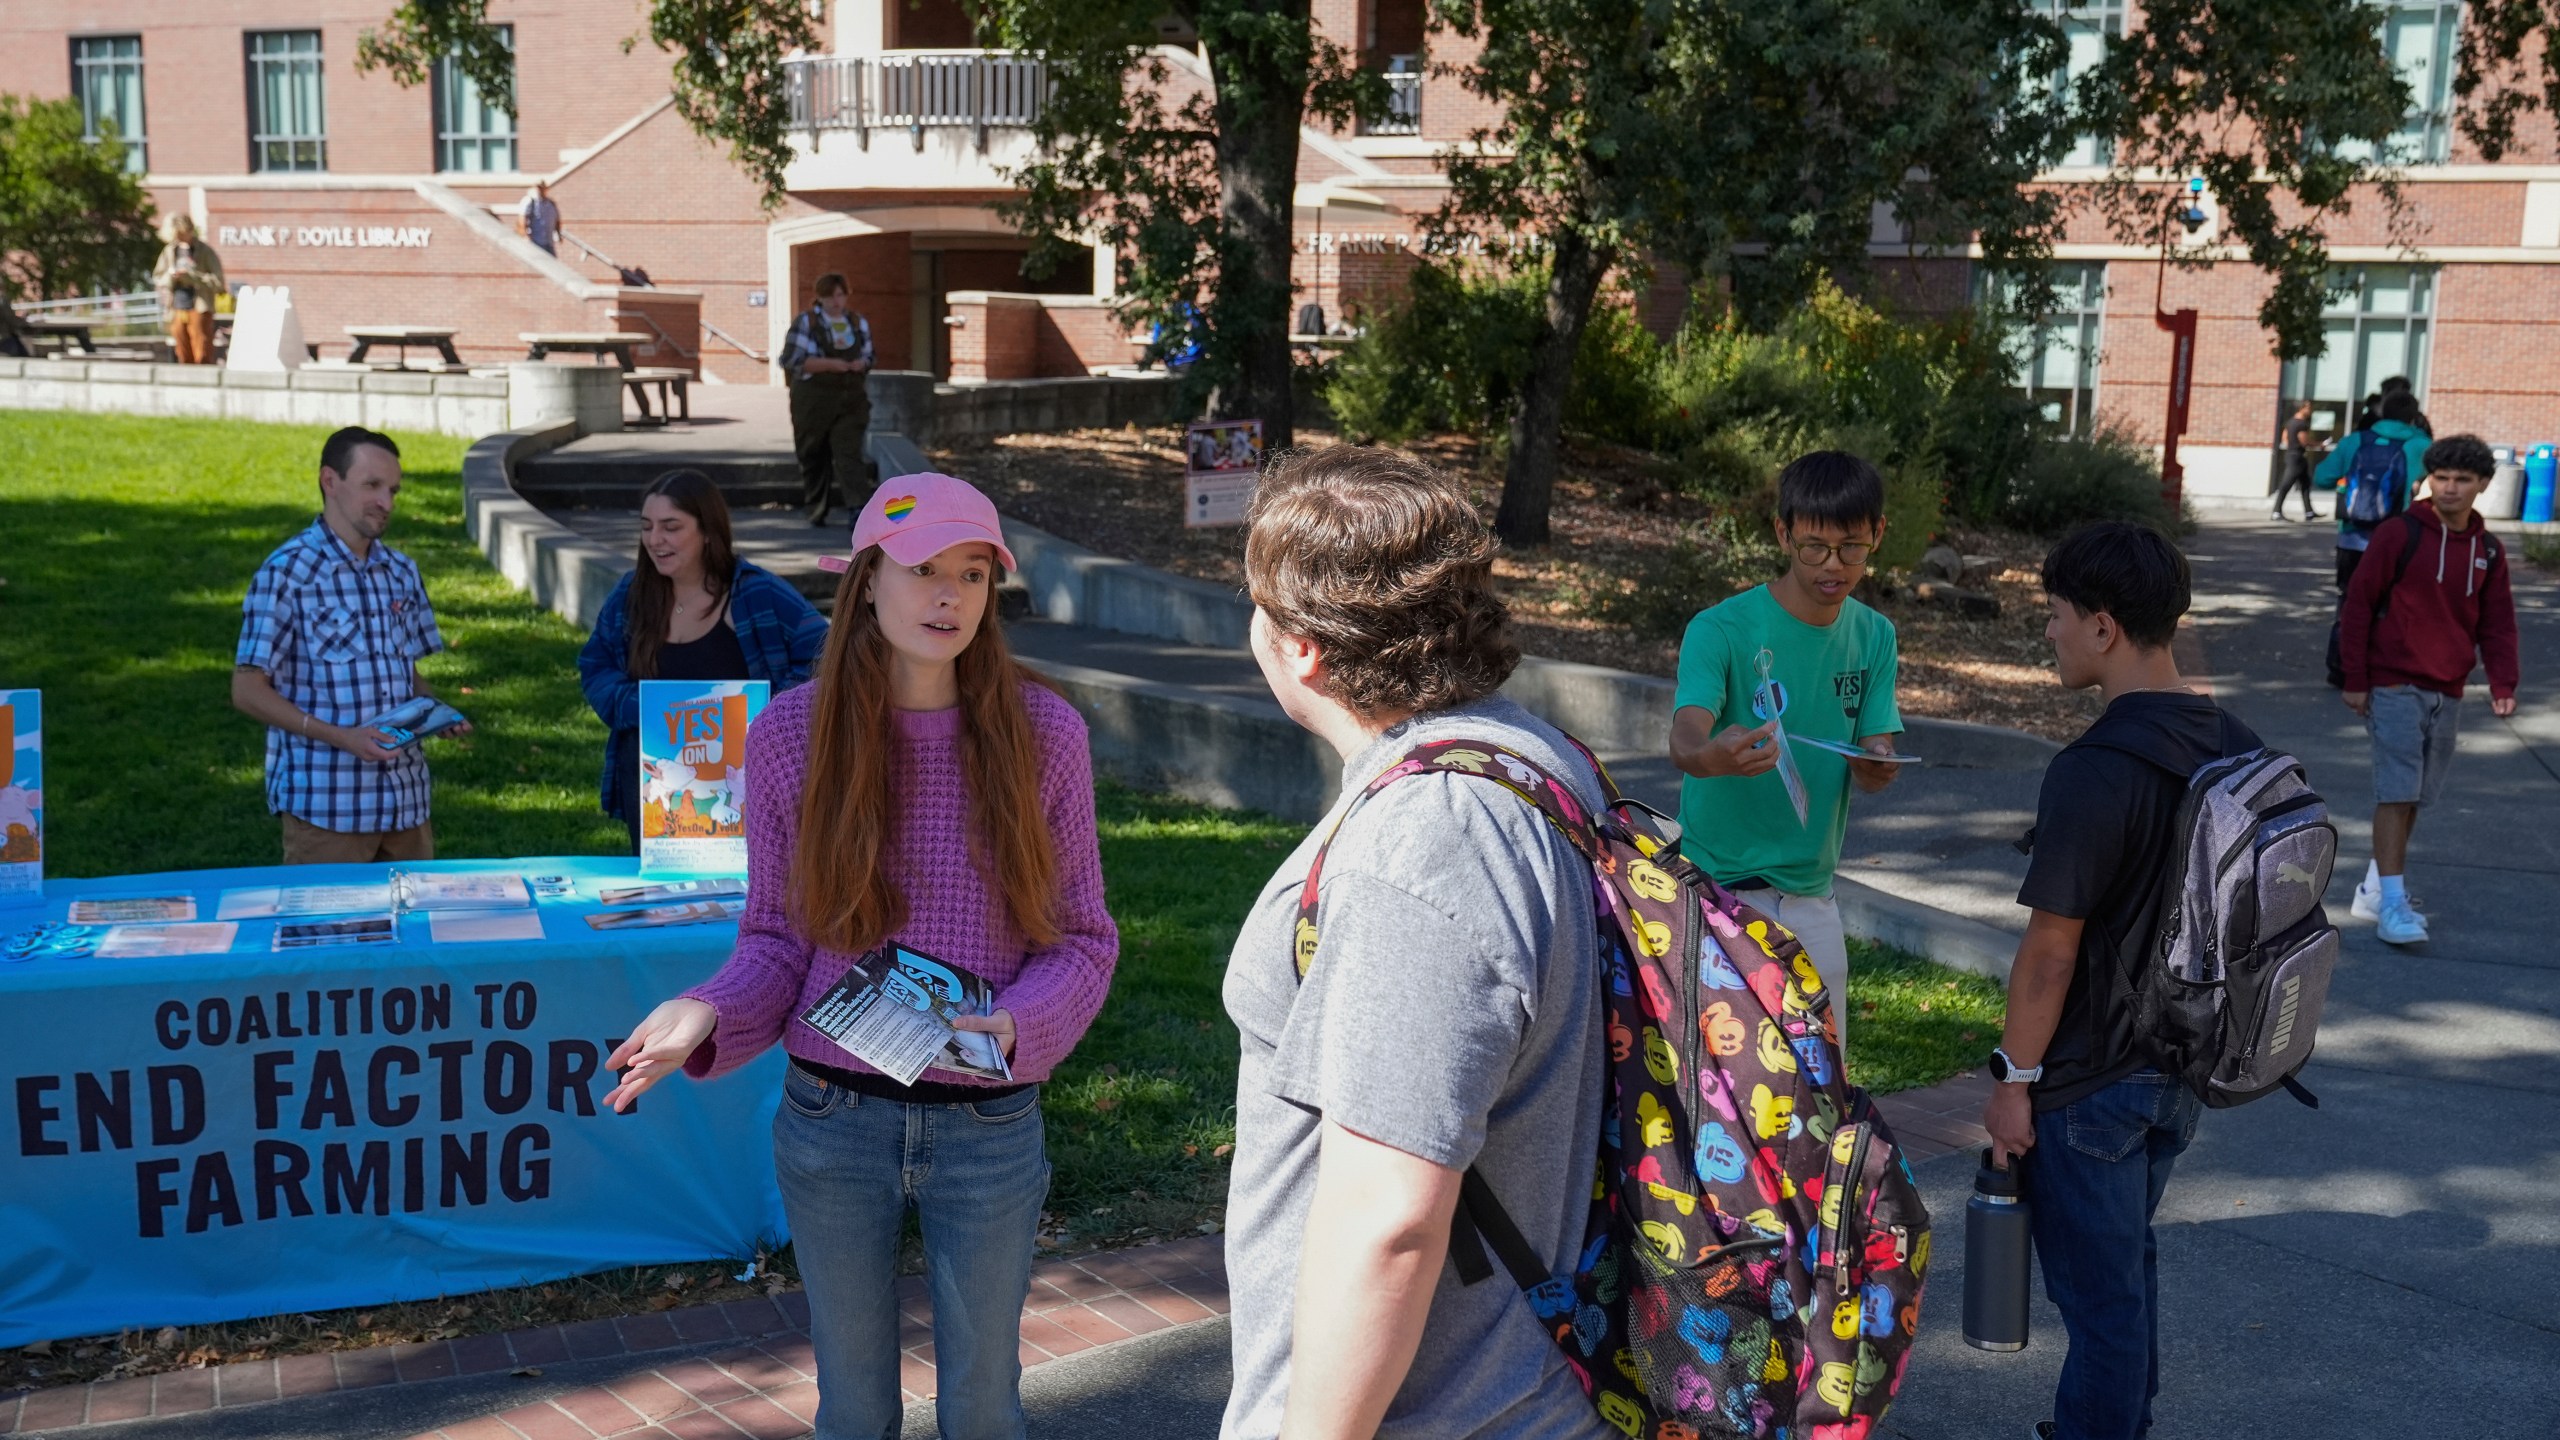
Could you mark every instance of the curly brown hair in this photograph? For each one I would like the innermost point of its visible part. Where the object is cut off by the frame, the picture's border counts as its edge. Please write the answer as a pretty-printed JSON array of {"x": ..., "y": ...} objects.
[{"x": 1384, "y": 563}]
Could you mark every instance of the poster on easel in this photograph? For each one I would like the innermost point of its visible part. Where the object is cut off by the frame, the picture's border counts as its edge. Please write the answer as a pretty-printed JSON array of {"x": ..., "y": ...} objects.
[
  {"x": 21, "y": 792},
  {"x": 1222, "y": 459},
  {"x": 693, "y": 774}
]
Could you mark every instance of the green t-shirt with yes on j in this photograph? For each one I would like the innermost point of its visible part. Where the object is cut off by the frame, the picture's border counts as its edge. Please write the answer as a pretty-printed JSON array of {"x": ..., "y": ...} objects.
[{"x": 1837, "y": 681}]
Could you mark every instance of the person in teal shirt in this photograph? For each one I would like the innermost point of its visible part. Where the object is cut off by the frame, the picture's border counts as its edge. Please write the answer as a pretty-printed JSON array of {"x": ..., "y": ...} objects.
[
  {"x": 2401, "y": 423},
  {"x": 1833, "y": 661}
]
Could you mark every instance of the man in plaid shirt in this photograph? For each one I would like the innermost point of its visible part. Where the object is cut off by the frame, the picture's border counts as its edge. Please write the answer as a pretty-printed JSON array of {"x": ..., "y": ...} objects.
[{"x": 330, "y": 636}]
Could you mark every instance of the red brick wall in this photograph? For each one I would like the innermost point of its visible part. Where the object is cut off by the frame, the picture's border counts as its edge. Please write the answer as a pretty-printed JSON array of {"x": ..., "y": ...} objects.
[
  {"x": 875, "y": 270},
  {"x": 1077, "y": 339}
]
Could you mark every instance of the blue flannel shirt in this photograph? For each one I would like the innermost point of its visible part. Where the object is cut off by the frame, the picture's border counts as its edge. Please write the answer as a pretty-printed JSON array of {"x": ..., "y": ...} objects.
[
  {"x": 781, "y": 632},
  {"x": 807, "y": 339},
  {"x": 340, "y": 639}
]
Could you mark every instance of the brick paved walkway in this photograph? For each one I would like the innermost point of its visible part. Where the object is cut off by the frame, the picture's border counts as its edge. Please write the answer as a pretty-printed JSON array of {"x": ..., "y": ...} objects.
[{"x": 765, "y": 1386}]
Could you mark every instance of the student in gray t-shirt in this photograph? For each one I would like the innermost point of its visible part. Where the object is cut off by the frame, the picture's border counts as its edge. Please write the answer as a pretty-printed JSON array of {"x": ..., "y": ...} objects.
[{"x": 1450, "y": 1013}]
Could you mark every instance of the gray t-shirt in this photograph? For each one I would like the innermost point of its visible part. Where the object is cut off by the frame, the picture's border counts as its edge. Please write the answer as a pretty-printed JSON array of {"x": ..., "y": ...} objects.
[{"x": 1453, "y": 1012}]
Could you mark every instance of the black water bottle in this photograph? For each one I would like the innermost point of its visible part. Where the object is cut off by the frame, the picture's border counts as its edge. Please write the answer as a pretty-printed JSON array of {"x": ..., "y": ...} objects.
[{"x": 1995, "y": 1260}]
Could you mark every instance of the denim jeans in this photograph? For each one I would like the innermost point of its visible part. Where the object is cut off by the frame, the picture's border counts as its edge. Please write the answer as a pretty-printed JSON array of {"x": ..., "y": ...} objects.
[
  {"x": 2092, "y": 1181},
  {"x": 977, "y": 1175}
]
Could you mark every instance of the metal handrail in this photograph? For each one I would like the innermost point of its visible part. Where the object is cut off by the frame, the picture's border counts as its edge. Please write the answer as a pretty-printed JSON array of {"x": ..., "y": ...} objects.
[
  {"x": 593, "y": 253},
  {"x": 123, "y": 306},
  {"x": 734, "y": 342},
  {"x": 916, "y": 89}
]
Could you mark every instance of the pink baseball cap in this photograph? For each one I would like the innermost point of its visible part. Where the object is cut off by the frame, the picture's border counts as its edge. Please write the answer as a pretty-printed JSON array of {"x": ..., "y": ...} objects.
[{"x": 916, "y": 517}]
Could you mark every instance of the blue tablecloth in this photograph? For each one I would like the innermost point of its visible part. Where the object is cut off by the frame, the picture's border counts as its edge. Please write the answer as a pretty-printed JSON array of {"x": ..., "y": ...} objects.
[{"x": 215, "y": 1137}]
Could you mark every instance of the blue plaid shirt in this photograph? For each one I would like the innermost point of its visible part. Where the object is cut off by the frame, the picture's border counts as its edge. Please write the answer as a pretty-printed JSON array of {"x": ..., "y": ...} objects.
[
  {"x": 340, "y": 638},
  {"x": 808, "y": 339}
]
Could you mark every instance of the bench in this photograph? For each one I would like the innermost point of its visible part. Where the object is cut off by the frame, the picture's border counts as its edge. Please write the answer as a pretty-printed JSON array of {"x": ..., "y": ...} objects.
[
  {"x": 401, "y": 337},
  {"x": 680, "y": 407}
]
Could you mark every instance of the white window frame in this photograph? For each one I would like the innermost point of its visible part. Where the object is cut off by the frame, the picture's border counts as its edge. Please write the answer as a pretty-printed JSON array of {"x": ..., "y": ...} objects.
[
  {"x": 2087, "y": 27},
  {"x": 273, "y": 149},
  {"x": 2349, "y": 317},
  {"x": 94, "y": 76},
  {"x": 2078, "y": 318},
  {"x": 453, "y": 91}
]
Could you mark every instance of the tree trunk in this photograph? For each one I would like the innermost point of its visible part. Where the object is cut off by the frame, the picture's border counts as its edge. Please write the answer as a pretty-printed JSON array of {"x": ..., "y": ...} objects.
[
  {"x": 1262, "y": 90},
  {"x": 1537, "y": 427}
]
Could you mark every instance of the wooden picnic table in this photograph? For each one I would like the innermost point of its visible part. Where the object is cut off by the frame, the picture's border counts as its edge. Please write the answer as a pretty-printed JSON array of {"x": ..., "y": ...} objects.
[
  {"x": 402, "y": 337},
  {"x": 622, "y": 346},
  {"x": 70, "y": 332}
]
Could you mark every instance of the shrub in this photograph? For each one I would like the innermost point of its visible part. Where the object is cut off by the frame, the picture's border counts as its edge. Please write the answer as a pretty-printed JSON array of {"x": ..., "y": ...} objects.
[
  {"x": 2067, "y": 483},
  {"x": 1658, "y": 595},
  {"x": 1448, "y": 356}
]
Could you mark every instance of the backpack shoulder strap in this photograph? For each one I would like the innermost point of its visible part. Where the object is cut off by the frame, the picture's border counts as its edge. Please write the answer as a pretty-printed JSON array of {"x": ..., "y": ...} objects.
[{"x": 1475, "y": 759}]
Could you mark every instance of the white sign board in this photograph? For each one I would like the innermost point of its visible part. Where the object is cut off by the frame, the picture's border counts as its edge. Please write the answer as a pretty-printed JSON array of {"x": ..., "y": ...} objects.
[
  {"x": 266, "y": 334},
  {"x": 1221, "y": 461}
]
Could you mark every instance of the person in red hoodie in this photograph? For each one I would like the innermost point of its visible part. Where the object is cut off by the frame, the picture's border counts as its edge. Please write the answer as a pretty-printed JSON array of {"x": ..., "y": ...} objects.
[{"x": 2430, "y": 598}]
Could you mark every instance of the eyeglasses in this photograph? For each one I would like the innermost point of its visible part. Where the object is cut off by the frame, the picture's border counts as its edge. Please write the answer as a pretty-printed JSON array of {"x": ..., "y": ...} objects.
[{"x": 1816, "y": 552}]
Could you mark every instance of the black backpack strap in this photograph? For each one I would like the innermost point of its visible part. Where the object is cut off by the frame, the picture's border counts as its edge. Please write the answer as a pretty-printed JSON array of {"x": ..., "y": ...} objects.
[{"x": 1480, "y": 1223}]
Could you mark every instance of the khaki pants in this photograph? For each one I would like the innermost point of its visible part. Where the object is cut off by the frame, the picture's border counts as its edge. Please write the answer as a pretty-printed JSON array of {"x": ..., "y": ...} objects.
[
  {"x": 308, "y": 844},
  {"x": 1815, "y": 922},
  {"x": 191, "y": 332}
]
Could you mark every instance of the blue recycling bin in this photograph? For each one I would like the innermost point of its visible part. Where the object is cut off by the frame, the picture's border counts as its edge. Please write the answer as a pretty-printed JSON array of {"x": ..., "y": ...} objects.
[{"x": 2541, "y": 464}]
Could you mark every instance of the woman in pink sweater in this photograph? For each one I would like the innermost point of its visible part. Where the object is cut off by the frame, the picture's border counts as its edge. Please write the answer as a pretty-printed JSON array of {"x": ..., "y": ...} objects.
[{"x": 926, "y": 790}]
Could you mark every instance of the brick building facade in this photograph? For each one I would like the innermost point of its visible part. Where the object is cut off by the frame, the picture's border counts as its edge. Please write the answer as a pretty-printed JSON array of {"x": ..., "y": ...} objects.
[{"x": 390, "y": 205}]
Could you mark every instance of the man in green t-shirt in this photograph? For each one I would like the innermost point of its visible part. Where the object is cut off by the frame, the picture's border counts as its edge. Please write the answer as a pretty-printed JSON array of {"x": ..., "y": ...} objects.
[{"x": 1832, "y": 663}]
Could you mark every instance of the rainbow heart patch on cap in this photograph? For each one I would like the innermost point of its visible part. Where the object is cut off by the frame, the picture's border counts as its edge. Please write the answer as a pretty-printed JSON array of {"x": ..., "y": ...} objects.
[{"x": 899, "y": 509}]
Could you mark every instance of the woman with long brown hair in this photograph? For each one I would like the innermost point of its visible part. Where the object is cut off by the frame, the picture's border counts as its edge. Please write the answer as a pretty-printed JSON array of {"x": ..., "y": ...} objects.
[
  {"x": 924, "y": 790},
  {"x": 689, "y": 610}
]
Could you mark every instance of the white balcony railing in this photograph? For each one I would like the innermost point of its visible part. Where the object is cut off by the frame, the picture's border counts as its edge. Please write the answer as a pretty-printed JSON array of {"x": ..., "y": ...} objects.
[
  {"x": 916, "y": 90},
  {"x": 1404, "y": 105}
]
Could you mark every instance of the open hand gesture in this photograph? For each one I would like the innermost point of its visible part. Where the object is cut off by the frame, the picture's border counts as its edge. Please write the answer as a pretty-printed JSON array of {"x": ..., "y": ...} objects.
[{"x": 658, "y": 1048}]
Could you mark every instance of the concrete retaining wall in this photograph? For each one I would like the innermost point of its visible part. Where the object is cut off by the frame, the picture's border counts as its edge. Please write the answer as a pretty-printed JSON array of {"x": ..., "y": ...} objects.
[
  {"x": 465, "y": 405},
  {"x": 1217, "y": 749},
  {"x": 937, "y": 414},
  {"x": 1611, "y": 710}
]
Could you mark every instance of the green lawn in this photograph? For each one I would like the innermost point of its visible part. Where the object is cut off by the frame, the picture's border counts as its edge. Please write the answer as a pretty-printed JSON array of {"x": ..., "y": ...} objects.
[{"x": 125, "y": 547}]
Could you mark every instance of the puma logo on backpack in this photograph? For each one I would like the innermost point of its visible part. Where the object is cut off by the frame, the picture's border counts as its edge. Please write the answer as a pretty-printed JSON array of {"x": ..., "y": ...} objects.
[
  {"x": 2230, "y": 983},
  {"x": 1756, "y": 1245}
]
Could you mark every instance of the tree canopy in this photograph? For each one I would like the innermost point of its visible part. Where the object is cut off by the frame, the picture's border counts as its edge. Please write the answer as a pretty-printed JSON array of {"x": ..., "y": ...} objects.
[{"x": 73, "y": 220}]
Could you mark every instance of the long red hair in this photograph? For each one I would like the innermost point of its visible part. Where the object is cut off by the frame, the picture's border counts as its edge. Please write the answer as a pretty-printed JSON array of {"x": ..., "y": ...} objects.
[{"x": 843, "y": 896}]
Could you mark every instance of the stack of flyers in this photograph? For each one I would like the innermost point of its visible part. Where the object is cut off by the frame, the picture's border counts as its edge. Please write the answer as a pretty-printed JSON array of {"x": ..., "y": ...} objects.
[
  {"x": 460, "y": 890},
  {"x": 670, "y": 891},
  {"x": 701, "y": 912},
  {"x": 269, "y": 902},
  {"x": 352, "y": 930},
  {"x": 893, "y": 1010},
  {"x": 140, "y": 942},
  {"x": 133, "y": 909}
]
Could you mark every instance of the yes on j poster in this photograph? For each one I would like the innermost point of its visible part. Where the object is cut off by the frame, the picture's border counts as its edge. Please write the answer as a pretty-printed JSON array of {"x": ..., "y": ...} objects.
[
  {"x": 693, "y": 774},
  {"x": 21, "y": 792}
]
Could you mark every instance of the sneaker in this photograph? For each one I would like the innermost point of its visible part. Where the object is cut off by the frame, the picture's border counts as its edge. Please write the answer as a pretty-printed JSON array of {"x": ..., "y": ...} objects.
[
  {"x": 2368, "y": 904},
  {"x": 2401, "y": 925}
]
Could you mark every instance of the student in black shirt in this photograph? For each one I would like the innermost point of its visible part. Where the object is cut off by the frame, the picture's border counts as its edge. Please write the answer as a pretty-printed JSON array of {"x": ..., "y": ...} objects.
[{"x": 2093, "y": 1126}]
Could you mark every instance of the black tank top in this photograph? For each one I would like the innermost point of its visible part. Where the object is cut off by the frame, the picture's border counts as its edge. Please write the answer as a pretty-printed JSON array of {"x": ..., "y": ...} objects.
[{"x": 716, "y": 656}]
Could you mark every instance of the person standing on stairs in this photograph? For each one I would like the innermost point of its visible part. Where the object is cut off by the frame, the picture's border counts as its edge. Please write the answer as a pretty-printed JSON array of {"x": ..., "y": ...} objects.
[
  {"x": 828, "y": 357},
  {"x": 538, "y": 218}
]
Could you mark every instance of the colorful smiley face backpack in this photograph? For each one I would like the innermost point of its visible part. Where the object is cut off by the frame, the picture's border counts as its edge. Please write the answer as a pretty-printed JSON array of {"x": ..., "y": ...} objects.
[{"x": 1753, "y": 1261}]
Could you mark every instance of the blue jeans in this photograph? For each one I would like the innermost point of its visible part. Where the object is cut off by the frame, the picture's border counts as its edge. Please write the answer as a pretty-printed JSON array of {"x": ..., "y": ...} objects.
[
  {"x": 977, "y": 1175},
  {"x": 2093, "y": 1179}
]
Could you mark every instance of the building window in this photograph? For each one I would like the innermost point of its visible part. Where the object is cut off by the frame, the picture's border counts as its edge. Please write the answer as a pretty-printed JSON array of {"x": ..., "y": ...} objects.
[
  {"x": 2087, "y": 26},
  {"x": 2057, "y": 355},
  {"x": 2376, "y": 324},
  {"x": 106, "y": 73},
  {"x": 288, "y": 127},
  {"x": 471, "y": 133},
  {"x": 2420, "y": 40},
  {"x": 1391, "y": 37}
]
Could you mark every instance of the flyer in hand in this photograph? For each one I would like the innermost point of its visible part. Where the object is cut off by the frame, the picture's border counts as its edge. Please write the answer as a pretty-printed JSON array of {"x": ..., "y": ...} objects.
[
  {"x": 693, "y": 774},
  {"x": 892, "y": 1011},
  {"x": 21, "y": 792}
]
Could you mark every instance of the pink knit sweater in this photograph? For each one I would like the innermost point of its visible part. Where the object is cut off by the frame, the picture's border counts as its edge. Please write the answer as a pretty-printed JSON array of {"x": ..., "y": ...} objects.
[{"x": 953, "y": 913}]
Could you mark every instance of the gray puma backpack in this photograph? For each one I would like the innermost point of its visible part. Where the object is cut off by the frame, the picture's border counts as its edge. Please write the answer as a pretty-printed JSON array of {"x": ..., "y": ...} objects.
[{"x": 2229, "y": 985}]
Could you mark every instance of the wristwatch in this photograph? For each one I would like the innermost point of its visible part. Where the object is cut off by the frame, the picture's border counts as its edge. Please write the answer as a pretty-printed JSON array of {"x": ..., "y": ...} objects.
[{"x": 2010, "y": 1072}]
